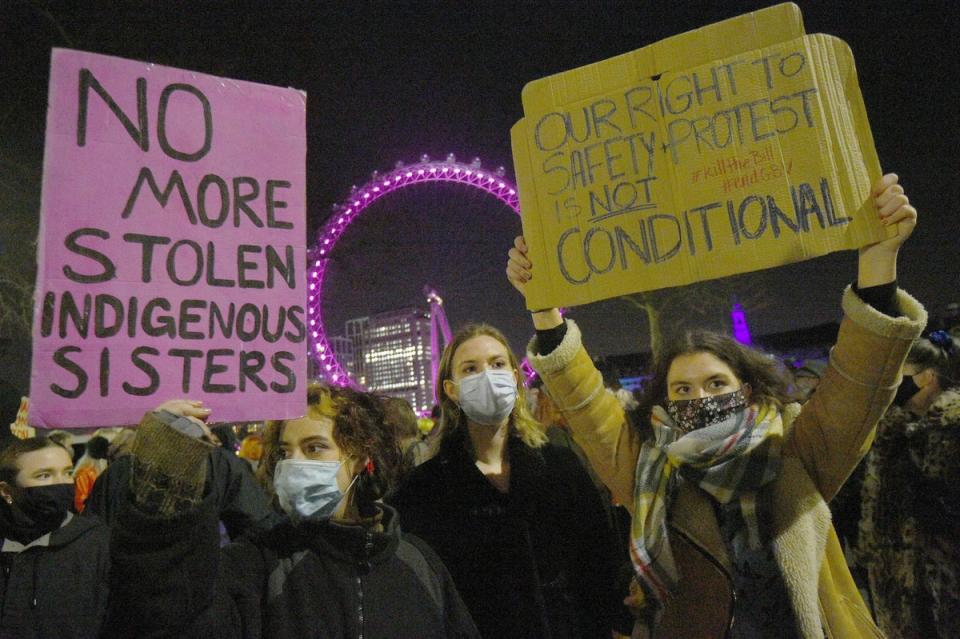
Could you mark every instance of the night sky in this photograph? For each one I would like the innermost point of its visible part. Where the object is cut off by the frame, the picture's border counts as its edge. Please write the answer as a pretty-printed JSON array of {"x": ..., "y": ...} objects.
[{"x": 390, "y": 81}]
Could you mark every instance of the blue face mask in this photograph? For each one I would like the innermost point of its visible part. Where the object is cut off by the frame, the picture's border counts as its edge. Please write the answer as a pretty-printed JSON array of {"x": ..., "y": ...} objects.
[
  {"x": 307, "y": 489},
  {"x": 488, "y": 397}
]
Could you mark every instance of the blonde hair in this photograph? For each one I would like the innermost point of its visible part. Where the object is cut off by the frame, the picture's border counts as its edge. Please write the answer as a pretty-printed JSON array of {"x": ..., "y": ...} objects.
[{"x": 521, "y": 422}]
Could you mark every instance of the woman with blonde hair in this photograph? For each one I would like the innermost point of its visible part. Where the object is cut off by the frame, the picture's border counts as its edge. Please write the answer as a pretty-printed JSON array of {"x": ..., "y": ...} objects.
[{"x": 516, "y": 520}]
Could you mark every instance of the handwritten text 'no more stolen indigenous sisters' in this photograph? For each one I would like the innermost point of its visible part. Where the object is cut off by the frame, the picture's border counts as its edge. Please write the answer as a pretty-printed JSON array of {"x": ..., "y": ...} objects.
[{"x": 173, "y": 229}]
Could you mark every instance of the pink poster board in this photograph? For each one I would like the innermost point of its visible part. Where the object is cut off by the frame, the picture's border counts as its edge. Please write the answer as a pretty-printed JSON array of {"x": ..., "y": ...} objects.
[{"x": 172, "y": 248}]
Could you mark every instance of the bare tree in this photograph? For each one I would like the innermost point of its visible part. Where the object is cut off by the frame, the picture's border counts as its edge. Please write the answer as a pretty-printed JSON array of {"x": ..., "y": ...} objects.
[
  {"x": 672, "y": 311},
  {"x": 18, "y": 230},
  {"x": 20, "y": 177}
]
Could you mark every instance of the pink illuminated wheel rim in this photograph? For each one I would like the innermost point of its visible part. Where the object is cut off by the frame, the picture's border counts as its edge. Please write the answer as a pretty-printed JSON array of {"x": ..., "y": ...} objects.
[{"x": 490, "y": 182}]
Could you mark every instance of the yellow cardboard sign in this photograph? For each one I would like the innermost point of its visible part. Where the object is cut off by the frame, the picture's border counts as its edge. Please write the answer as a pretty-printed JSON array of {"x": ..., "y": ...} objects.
[{"x": 740, "y": 146}]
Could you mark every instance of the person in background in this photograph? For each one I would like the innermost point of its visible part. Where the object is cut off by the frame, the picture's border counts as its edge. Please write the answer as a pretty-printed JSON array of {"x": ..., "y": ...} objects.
[
  {"x": 516, "y": 520},
  {"x": 121, "y": 444},
  {"x": 63, "y": 438},
  {"x": 727, "y": 484},
  {"x": 401, "y": 418},
  {"x": 225, "y": 437},
  {"x": 251, "y": 450},
  {"x": 806, "y": 379},
  {"x": 54, "y": 583},
  {"x": 909, "y": 540},
  {"x": 558, "y": 433},
  {"x": 10, "y": 398},
  {"x": 338, "y": 566},
  {"x": 91, "y": 465},
  {"x": 624, "y": 396}
]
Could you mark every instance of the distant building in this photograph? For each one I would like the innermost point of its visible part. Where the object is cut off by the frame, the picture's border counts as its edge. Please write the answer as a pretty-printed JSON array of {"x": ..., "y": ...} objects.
[
  {"x": 391, "y": 354},
  {"x": 741, "y": 330},
  {"x": 343, "y": 351}
]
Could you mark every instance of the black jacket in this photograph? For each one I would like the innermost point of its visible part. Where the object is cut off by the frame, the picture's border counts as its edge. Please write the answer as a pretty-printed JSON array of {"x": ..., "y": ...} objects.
[
  {"x": 57, "y": 591},
  {"x": 539, "y": 561},
  {"x": 240, "y": 500},
  {"x": 319, "y": 580}
]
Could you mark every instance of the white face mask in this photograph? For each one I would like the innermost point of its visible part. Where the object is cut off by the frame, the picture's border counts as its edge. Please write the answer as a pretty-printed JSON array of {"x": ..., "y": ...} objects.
[
  {"x": 307, "y": 489},
  {"x": 488, "y": 397}
]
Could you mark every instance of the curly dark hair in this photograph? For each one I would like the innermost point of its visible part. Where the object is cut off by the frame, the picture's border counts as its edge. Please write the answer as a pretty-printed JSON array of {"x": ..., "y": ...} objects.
[
  {"x": 359, "y": 429},
  {"x": 752, "y": 367}
]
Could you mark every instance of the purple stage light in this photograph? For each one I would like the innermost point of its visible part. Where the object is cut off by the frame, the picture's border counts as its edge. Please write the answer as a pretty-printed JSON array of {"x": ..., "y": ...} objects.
[{"x": 343, "y": 215}]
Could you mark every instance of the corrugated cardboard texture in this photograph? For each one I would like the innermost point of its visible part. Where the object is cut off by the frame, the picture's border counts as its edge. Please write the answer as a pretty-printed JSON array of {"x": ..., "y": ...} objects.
[{"x": 739, "y": 146}]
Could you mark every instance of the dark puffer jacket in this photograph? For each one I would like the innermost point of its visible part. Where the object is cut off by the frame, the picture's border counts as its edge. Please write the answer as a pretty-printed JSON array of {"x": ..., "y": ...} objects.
[{"x": 58, "y": 590}]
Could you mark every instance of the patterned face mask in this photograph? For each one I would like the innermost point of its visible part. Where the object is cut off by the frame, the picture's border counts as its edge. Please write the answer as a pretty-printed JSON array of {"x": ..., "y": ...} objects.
[{"x": 691, "y": 414}]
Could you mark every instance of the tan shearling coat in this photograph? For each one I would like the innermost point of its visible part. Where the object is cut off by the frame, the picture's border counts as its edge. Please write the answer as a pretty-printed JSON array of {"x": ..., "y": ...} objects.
[{"x": 824, "y": 441}]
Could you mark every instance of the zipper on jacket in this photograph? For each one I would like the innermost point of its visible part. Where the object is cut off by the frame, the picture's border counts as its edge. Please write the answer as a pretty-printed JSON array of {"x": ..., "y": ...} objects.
[
  {"x": 360, "y": 605},
  {"x": 722, "y": 569}
]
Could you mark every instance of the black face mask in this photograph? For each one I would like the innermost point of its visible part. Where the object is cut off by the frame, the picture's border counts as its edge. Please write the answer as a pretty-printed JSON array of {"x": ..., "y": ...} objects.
[
  {"x": 908, "y": 388},
  {"x": 35, "y": 511}
]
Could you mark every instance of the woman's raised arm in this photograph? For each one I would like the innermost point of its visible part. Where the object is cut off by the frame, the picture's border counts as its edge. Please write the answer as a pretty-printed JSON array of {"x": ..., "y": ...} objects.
[
  {"x": 878, "y": 262},
  {"x": 519, "y": 272}
]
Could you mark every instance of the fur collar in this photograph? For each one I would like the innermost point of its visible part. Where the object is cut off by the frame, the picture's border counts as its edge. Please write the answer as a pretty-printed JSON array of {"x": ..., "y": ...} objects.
[
  {"x": 801, "y": 526},
  {"x": 946, "y": 408}
]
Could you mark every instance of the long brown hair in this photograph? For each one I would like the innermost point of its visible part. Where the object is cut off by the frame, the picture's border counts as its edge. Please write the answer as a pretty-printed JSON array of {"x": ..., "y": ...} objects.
[
  {"x": 451, "y": 417},
  {"x": 767, "y": 385}
]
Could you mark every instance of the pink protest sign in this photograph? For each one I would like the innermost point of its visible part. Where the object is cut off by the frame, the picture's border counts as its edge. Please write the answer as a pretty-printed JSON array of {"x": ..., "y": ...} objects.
[{"x": 172, "y": 253}]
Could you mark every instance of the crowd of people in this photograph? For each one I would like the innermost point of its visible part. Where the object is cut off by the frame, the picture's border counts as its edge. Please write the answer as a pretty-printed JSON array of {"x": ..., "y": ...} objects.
[{"x": 699, "y": 509}]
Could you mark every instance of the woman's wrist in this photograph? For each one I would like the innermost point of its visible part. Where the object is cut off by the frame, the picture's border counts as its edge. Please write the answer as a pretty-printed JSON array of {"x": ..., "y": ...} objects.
[
  {"x": 547, "y": 318},
  {"x": 876, "y": 267}
]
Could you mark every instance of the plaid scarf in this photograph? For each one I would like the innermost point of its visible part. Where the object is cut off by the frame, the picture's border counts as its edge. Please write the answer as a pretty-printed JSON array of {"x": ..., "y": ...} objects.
[{"x": 730, "y": 459}]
